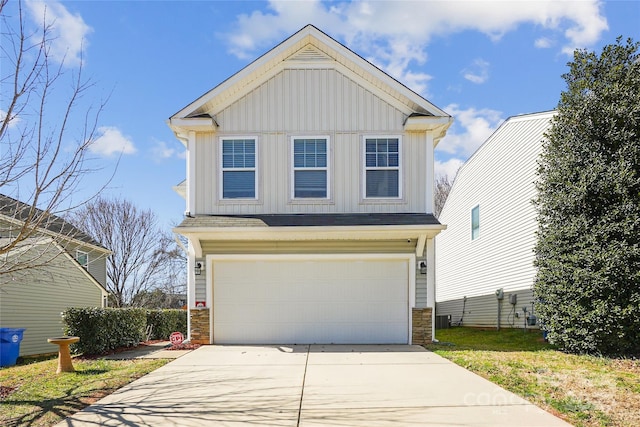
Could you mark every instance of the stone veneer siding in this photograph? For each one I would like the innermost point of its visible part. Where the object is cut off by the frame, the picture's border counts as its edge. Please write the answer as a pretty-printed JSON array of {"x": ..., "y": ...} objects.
[
  {"x": 420, "y": 334},
  {"x": 200, "y": 333},
  {"x": 421, "y": 326}
]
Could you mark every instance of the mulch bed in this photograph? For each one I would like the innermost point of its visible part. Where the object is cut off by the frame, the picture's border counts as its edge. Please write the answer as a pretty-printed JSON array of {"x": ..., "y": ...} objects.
[{"x": 183, "y": 346}]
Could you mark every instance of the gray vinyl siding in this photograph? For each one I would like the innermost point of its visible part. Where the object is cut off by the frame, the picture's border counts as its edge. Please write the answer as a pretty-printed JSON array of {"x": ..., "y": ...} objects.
[
  {"x": 299, "y": 102},
  {"x": 201, "y": 286},
  {"x": 97, "y": 258},
  {"x": 36, "y": 300},
  {"x": 421, "y": 286},
  {"x": 500, "y": 179},
  {"x": 482, "y": 311},
  {"x": 97, "y": 265}
]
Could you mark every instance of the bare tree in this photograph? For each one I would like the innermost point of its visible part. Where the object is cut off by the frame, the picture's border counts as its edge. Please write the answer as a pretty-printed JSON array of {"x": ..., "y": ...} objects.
[
  {"x": 442, "y": 188},
  {"x": 44, "y": 144},
  {"x": 144, "y": 258}
]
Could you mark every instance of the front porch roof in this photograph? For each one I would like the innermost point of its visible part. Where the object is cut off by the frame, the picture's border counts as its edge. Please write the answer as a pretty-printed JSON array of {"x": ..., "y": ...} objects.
[{"x": 359, "y": 226}]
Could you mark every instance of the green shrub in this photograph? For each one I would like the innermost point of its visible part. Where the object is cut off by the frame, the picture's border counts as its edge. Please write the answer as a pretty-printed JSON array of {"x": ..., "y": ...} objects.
[
  {"x": 104, "y": 329},
  {"x": 161, "y": 323},
  {"x": 588, "y": 248}
]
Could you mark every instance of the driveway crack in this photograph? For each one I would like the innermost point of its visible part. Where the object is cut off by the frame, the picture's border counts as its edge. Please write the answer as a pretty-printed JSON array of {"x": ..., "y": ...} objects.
[{"x": 304, "y": 378}]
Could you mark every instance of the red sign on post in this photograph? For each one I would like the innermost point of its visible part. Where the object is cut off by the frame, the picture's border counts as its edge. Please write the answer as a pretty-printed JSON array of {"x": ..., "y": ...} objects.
[{"x": 176, "y": 338}]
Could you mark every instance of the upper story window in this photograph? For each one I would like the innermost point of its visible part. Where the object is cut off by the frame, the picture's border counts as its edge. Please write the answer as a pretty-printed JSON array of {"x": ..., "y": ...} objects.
[
  {"x": 382, "y": 168},
  {"x": 475, "y": 222},
  {"x": 82, "y": 258},
  {"x": 310, "y": 168},
  {"x": 239, "y": 168}
]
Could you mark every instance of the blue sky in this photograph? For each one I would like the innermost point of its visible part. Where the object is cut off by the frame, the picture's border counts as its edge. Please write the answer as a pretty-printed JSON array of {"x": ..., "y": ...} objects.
[{"x": 480, "y": 61}]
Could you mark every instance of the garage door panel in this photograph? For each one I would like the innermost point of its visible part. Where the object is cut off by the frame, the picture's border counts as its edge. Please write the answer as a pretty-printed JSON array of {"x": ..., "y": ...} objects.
[{"x": 292, "y": 301}]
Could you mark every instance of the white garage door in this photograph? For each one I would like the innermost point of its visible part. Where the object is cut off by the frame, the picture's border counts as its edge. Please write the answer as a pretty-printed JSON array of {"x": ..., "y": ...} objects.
[{"x": 305, "y": 301}]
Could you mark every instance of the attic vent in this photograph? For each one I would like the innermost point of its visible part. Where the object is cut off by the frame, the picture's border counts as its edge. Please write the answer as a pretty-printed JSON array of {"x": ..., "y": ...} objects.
[{"x": 309, "y": 53}]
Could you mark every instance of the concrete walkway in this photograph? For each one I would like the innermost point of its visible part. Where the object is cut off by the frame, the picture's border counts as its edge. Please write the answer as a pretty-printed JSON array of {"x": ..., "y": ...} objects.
[
  {"x": 148, "y": 351},
  {"x": 312, "y": 386}
]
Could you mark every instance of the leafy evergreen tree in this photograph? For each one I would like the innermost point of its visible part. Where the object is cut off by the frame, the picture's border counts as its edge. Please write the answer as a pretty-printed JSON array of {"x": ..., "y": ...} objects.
[{"x": 588, "y": 204}]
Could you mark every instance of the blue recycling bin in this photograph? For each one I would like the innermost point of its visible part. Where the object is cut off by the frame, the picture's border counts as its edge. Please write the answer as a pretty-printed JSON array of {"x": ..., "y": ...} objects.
[{"x": 10, "y": 339}]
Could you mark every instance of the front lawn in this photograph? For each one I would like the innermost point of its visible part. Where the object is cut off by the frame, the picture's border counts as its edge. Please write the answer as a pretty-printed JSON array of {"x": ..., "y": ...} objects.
[
  {"x": 33, "y": 394},
  {"x": 583, "y": 390}
]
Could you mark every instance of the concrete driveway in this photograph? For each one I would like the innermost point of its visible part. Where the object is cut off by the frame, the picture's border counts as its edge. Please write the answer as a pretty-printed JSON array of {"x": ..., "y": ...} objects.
[{"x": 317, "y": 385}]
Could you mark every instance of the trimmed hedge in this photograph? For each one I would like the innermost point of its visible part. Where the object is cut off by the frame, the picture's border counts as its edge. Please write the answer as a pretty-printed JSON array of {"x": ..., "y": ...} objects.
[
  {"x": 104, "y": 329},
  {"x": 161, "y": 323}
]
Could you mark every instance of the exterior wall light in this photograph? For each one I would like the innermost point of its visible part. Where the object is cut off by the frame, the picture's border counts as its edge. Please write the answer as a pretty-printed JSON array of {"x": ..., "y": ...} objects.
[
  {"x": 422, "y": 265},
  {"x": 198, "y": 269}
]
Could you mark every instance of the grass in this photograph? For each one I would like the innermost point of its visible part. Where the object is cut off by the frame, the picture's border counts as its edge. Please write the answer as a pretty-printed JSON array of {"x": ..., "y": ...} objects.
[
  {"x": 583, "y": 390},
  {"x": 37, "y": 396}
]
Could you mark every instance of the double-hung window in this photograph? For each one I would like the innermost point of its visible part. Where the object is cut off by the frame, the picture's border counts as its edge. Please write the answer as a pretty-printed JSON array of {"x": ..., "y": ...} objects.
[
  {"x": 382, "y": 168},
  {"x": 239, "y": 168},
  {"x": 310, "y": 168}
]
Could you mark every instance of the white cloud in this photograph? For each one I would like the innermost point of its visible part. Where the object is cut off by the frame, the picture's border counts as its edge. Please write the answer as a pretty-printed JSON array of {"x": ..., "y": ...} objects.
[
  {"x": 68, "y": 32},
  {"x": 543, "y": 43},
  {"x": 13, "y": 121},
  {"x": 448, "y": 168},
  {"x": 478, "y": 72},
  {"x": 111, "y": 141},
  {"x": 161, "y": 151},
  {"x": 395, "y": 34},
  {"x": 471, "y": 128}
]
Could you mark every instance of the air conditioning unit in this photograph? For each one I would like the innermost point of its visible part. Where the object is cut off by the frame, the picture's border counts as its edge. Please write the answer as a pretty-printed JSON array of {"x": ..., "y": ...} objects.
[{"x": 443, "y": 321}]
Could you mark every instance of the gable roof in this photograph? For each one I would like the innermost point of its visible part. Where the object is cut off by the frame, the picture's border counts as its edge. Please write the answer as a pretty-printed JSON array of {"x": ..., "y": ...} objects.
[
  {"x": 307, "y": 46},
  {"x": 16, "y": 212},
  {"x": 513, "y": 132},
  {"x": 36, "y": 243}
]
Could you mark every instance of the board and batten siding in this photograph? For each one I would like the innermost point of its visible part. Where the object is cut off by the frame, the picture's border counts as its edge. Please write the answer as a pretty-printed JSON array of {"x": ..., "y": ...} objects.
[
  {"x": 36, "y": 301},
  {"x": 500, "y": 179},
  {"x": 315, "y": 102}
]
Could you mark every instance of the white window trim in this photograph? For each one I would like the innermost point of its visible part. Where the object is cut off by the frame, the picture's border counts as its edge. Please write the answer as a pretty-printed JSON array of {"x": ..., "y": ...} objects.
[
  {"x": 78, "y": 253},
  {"x": 293, "y": 169},
  {"x": 221, "y": 169},
  {"x": 365, "y": 168}
]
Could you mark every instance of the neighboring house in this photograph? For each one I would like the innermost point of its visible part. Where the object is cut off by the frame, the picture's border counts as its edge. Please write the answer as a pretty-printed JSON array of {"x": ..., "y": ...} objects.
[
  {"x": 309, "y": 200},
  {"x": 60, "y": 267},
  {"x": 487, "y": 249}
]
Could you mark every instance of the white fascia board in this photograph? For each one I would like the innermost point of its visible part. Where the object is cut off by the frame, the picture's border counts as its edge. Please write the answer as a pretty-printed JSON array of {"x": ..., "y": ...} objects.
[
  {"x": 386, "y": 78},
  {"x": 282, "y": 50},
  {"x": 427, "y": 123},
  {"x": 310, "y": 233},
  {"x": 60, "y": 236},
  {"x": 275, "y": 58},
  {"x": 181, "y": 189},
  {"x": 182, "y": 125}
]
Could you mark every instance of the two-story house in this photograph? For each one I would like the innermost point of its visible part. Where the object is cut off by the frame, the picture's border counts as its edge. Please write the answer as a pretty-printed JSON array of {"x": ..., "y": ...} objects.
[
  {"x": 484, "y": 262},
  {"x": 309, "y": 201},
  {"x": 55, "y": 267}
]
